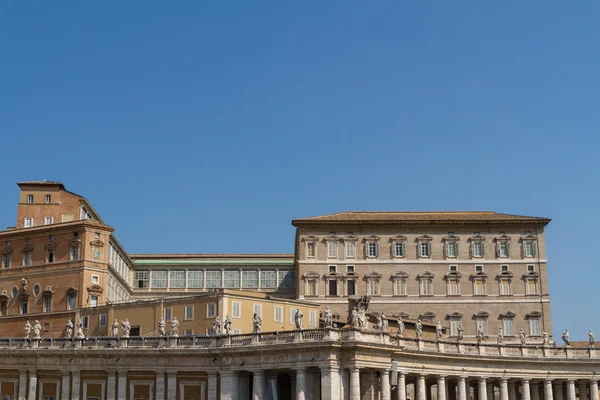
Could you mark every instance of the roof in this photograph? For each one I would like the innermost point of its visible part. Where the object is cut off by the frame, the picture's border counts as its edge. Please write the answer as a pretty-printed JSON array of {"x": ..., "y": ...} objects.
[
  {"x": 202, "y": 256},
  {"x": 41, "y": 183},
  {"x": 419, "y": 217}
]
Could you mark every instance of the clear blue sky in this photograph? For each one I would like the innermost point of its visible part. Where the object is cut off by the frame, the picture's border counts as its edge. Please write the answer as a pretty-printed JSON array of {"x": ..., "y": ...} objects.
[{"x": 207, "y": 126}]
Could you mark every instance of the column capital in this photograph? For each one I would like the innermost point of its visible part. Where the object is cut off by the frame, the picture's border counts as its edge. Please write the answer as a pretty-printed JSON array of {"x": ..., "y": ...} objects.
[
  {"x": 483, "y": 379},
  {"x": 301, "y": 368},
  {"x": 525, "y": 379},
  {"x": 384, "y": 371}
]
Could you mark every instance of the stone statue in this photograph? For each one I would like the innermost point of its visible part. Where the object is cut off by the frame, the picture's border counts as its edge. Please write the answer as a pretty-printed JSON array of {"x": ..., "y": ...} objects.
[
  {"x": 37, "y": 329},
  {"x": 24, "y": 284},
  {"x": 565, "y": 338},
  {"x": 379, "y": 323},
  {"x": 27, "y": 330},
  {"x": 419, "y": 328},
  {"x": 115, "y": 328},
  {"x": 545, "y": 339},
  {"x": 592, "y": 338},
  {"x": 522, "y": 336},
  {"x": 299, "y": 320},
  {"x": 227, "y": 325},
  {"x": 217, "y": 325},
  {"x": 328, "y": 318},
  {"x": 438, "y": 331},
  {"x": 174, "y": 327},
  {"x": 354, "y": 319},
  {"x": 161, "y": 327},
  {"x": 70, "y": 327},
  {"x": 80, "y": 334},
  {"x": 256, "y": 323},
  {"x": 479, "y": 334},
  {"x": 362, "y": 306},
  {"x": 461, "y": 332},
  {"x": 384, "y": 323},
  {"x": 500, "y": 336},
  {"x": 126, "y": 326},
  {"x": 400, "y": 331}
]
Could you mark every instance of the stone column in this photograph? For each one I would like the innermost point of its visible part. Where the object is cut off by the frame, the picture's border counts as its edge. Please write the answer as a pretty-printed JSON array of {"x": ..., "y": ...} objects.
[
  {"x": 593, "y": 390},
  {"x": 258, "y": 385},
  {"x": 571, "y": 390},
  {"x": 300, "y": 384},
  {"x": 171, "y": 386},
  {"x": 160, "y": 386},
  {"x": 490, "y": 390},
  {"x": 111, "y": 386},
  {"x": 23, "y": 385},
  {"x": 525, "y": 391},
  {"x": 401, "y": 386},
  {"x": 441, "y": 388},
  {"x": 422, "y": 388},
  {"x": 272, "y": 386},
  {"x": 503, "y": 389},
  {"x": 512, "y": 391},
  {"x": 122, "y": 384},
  {"x": 65, "y": 386},
  {"x": 345, "y": 389},
  {"x": 32, "y": 385},
  {"x": 355, "y": 384},
  {"x": 558, "y": 391},
  {"x": 76, "y": 385},
  {"x": 535, "y": 391},
  {"x": 583, "y": 391},
  {"x": 462, "y": 388},
  {"x": 482, "y": 389},
  {"x": 229, "y": 385},
  {"x": 330, "y": 383},
  {"x": 385, "y": 385},
  {"x": 548, "y": 389}
]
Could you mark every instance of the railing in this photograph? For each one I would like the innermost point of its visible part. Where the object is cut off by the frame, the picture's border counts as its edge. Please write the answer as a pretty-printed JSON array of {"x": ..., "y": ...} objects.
[{"x": 307, "y": 335}]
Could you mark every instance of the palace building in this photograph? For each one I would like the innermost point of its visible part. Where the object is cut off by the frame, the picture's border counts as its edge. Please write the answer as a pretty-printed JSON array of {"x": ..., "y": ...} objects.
[{"x": 454, "y": 306}]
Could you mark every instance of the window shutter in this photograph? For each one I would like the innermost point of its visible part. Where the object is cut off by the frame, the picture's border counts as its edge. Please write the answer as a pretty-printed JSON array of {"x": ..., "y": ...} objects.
[
  {"x": 533, "y": 248},
  {"x": 497, "y": 249},
  {"x": 446, "y": 249},
  {"x": 429, "y": 249},
  {"x": 482, "y": 248}
]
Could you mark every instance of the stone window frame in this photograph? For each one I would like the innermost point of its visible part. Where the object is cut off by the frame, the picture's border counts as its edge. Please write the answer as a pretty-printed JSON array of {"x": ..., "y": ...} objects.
[
  {"x": 427, "y": 316},
  {"x": 71, "y": 292},
  {"x": 477, "y": 238},
  {"x": 399, "y": 279},
  {"x": 50, "y": 247},
  {"x": 75, "y": 243},
  {"x": 453, "y": 276},
  {"x": 398, "y": 240},
  {"x": 36, "y": 290},
  {"x": 47, "y": 294},
  {"x": 134, "y": 382},
  {"x": 421, "y": 240},
  {"x": 503, "y": 238},
  {"x": 47, "y": 381},
  {"x": 332, "y": 242},
  {"x": 479, "y": 276},
  {"x": 529, "y": 239},
  {"x": 315, "y": 241},
  {"x": 481, "y": 317},
  {"x": 531, "y": 276},
  {"x": 448, "y": 240},
  {"x": 534, "y": 315},
  {"x": 373, "y": 278},
  {"x": 503, "y": 277},
  {"x": 27, "y": 250},
  {"x": 312, "y": 277},
  {"x": 346, "y": 240},
  {"x": 454, "y": 317},
  {"x": 332, "y": 276},
  {"x": 183, "y": 384},
  {"x": 372, "y": 239},
  {"x": 351, "y": 276},
  {"x": 509, "y": 315},
  {"x": 7, "y": 256},
  {"x": 423, "y": 278}
]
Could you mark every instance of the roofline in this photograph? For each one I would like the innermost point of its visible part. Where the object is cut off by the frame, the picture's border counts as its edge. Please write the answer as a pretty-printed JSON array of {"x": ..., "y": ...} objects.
[
  {"x": 41, "y": 183},
  {"x": 524, "y": 221},
  {"x": 57, "y": 226},
  {"x": 194, "y": 256}
]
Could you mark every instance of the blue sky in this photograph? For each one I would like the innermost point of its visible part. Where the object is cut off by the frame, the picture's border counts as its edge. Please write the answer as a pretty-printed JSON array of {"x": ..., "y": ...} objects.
[{"x": 208, "y": 126}]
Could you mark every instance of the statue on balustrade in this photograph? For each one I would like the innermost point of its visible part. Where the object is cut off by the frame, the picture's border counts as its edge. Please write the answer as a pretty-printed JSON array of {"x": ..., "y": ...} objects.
[
  {"x": 565, "y": 338},
  {"x": 80, "y": 334},
  {"x": 70, "y": 328},
  {"x": 354, "y": 319},
  {"x": 592, "y": 338},
  {"x": 378, "y": 322},
  {"x": 500, "y": 336},
  {"x": 217, "y": 325},
  {"x": 115, "y": 328},
  {"x": 362, "y": 306},
  {"x": 522, "y": 336},
  {"x": 545, "y": 339},
  {"x": 161, "y": 327},
  {"x": 384, "y": 323},
  {"x": 227, "y": 325},
  {"x": 299, "y": 320},
  {"x": 479, "y": 334},
  {"x": 400, "y": 330},
  {"x": 27, "y": 330},
  {"x": 126, "y": 327},
  {"x": 419, "y": 329},
  {"x": 174, "y": 327},
  {"x": 461, "y": 332},
  {"x": 256, "y": 323},
  {"x": 438, "y": 331},
  {"x": 37, "y": 329},
  {"x": 328, "y": 318}
]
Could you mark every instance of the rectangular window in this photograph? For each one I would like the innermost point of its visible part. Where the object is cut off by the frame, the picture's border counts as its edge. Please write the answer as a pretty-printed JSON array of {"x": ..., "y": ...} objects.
[
  {"x": 86, "y": 322},
  {"x": 424, "y": 249},
  {"x": 349, "y": 268},
  {"x": 195, "y": 278},
  {"x": 507, "y": 327},
  {"x": 530, "y": 286},
  {"x": 141, "y": 278},
  {"x": 28, "y": 222},
  {"x": 479, "y": 288},
  {"x": 232, "y": 279},
  {"x": 332, "y": 249},
  {"x": 453, "y": 268},
  {"x": 426, "y": 287},
  {"x": 530, "y": 268},
  {"x": 48, "y": 220},
  {"x": 93, "y": 301},
  {"x": 528, "y": 249},
  {"x": 209, "y": 332},
  {"x": 213, "y": 279},
  {"x": 400, "y": 287},
  {"x": 257, "y": 309},
  {"x": 479, "y": 268},
  {"x": 278, "y": 314},
  {"x": 293, "y": 315},
  {"x": 476, "y": 248},
  {"x": 351, "y": 283},
  {"x": 95, "y": 279},
  {"x": 332, "y": 286},
  {"x": 160, "y": 278},
  {"x": 505, "y": 287},
  {"x": 46, "y": 327},
  {"x": 188, "y": 332},
  {"x": 47, "y": 303},
  {"x": 236, "y": 309},
  {"x": 373, "y": 287},
  {"x": 534, "y": 327},
  {"x": 398, "y": 249},
  {"x": 268, "y": 278},
  {"x": 6, "y": 260},
  {"x": 50, "y": 255},
  {"x": 236, "y": 331},
  {"x": 453, "y": 288},
  {"x": 451, "y": 249},
  {"x": 250, "y": 279},
  {"x": 189, "y": 312},
  {"x": 71, "y": 302},
  {"x": 311, "y": 250},
  {"x": 177, "y": 278},
  {"x": 311, "y": 287},
  {"x": 312, "y": 318},
  {"x": 482, "y": 324},
  {"x": 210, "y": 310},
  {"x": 27, "y": 258},
  {"x": 285, "y": 279},
  {"x": 74, "y": 252},
  {"x": 332, "y": 269},
  {"x": 167, "y": 314},
  {"x": 454, "y": 323},
  {"x": 371, "y": 249},
  {"x": 504, "y": 268},
  {"x": 30, "y": 198},
  {"x": 24, "y": 306},
  {"x": 48, "y": 199},
  {"x": 102, "y": 320},
  {"x": 503, "y": 249},
  {"x": 350, "y": 249}
]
